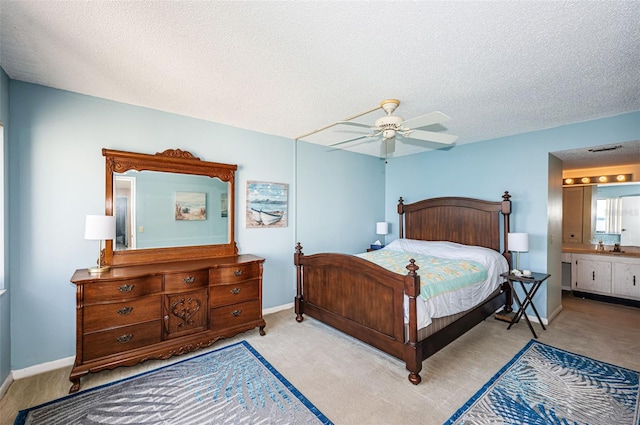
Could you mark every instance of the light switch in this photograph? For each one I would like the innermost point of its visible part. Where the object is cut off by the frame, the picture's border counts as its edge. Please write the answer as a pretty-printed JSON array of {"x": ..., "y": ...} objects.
[{"x": 141, "y": 230}]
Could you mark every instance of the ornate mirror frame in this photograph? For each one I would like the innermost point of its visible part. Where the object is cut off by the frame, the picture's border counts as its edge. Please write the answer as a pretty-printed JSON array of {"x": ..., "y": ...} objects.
[{"x": 169, "y": 161}]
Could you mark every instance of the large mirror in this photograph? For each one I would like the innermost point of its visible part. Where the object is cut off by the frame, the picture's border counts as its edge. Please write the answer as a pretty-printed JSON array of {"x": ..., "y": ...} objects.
[
  {"x": 168, "y": 206},
  {"x": 618, "y": 214}
]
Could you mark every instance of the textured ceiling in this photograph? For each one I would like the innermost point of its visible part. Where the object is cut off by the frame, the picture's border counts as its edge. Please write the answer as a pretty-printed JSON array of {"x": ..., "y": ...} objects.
[{"x": 288, "y": 67}]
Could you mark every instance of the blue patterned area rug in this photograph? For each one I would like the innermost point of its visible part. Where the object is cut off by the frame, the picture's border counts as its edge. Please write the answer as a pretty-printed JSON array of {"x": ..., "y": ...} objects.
[
  {"x": 546, "y": 385},
  {"x": 232, "y": 385}
]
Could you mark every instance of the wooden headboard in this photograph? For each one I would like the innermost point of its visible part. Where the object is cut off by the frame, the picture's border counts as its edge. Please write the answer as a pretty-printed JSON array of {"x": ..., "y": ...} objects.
[{"x": 455, "y": 219}]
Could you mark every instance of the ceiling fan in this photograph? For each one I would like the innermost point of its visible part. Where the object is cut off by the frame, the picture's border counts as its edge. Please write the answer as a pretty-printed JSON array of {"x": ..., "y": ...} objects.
[{"x": 388, "y": 127}]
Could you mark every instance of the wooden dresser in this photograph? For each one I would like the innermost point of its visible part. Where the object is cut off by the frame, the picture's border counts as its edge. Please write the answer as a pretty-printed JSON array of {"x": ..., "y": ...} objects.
[{"x": 134, "y": 313}]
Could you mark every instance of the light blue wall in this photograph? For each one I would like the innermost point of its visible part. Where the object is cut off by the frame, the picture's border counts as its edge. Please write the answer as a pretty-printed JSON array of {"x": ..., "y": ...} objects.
[
  {"x": 518, "y": 164},
  {"x": 56, "y": 176},
  {"x": 5, "y": 333},
  {"x": 340, "y": 199}
]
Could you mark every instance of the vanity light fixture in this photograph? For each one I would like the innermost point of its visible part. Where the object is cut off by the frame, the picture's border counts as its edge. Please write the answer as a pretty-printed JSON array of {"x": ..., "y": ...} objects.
[
  {"x": 100, "y": 228},
  {"x": 614, "y": 178}
]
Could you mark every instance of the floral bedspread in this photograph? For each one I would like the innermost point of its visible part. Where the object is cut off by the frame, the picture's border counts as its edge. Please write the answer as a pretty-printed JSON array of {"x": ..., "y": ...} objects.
[{"x": 437, "y": 275}]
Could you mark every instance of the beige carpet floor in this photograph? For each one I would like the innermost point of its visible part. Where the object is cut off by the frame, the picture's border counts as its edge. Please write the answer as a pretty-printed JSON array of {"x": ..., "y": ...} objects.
[{"x": 352, "y": 383}]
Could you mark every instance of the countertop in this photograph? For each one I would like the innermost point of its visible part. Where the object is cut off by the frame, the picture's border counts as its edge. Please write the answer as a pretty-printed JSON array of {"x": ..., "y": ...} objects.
[{"x": 627, "y": 251}]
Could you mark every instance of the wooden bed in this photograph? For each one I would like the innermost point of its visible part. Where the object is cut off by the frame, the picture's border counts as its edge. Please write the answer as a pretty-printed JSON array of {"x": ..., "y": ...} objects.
[{"x": 365, "y": 300}]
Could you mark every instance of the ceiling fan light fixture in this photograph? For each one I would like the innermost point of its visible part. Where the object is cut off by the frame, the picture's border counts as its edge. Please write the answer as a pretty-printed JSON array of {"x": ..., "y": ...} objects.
[{"x": 389, "y": 134}]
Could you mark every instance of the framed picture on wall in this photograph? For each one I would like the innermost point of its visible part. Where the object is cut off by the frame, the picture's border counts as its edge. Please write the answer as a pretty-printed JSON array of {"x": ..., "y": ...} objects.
[
  {"x": 267, "y": 204},
  {"x": 191, "y": 206}
]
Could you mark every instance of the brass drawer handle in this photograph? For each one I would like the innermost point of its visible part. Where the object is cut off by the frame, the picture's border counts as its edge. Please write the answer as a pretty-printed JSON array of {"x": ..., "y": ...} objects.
[
  {"x": 126, "y": 288},
  {"x": 236, "y": 313},
  {"x": 125, "y": 310},
  {"x": 125, "y": 338},
  {"x": 189, "y": 279},
  {"x": 235, "y": 291},
  {"x": 237, "y": 272}
]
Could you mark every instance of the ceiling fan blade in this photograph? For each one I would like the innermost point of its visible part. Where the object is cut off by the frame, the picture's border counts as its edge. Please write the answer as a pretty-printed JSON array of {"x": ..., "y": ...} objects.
[
  {"x": 356, "y": 124},
  {"x": 339, "y": 122},
  {"x": 387, "y": 146},
  {"x": 432, "y": 136},
  {"x": 425, "y": 120},
  {"x": 391, "y": 145},
  {"x": 351, "y": 140}
]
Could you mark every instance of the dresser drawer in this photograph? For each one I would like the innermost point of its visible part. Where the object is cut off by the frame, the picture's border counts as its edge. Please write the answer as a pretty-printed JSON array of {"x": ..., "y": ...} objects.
[
  {"x": 235, "y": 273},
  {"x": 105, "y": 316},
  {"x": 186, "y": 281},
  {"x": 220, "y": 295},
  {"x": 105, "y": 343},
  {"x": 121, "y": 289},
  {"x": 235, "y": 315}
]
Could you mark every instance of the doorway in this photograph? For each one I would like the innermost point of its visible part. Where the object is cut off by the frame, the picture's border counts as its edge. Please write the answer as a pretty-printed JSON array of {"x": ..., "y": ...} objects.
[{"x": 125, "y": 212}]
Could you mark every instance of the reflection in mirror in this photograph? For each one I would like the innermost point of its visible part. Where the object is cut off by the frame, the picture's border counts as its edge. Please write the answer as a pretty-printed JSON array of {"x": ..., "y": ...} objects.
[
  {"x": 618, "y": 214},
  {"x": 158, "y": 210},
  {"x": 170, "y": 206}
]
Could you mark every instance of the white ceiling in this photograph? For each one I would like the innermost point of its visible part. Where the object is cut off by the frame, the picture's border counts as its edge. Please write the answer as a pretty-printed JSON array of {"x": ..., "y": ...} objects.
[{"x": 288, "y": 67}]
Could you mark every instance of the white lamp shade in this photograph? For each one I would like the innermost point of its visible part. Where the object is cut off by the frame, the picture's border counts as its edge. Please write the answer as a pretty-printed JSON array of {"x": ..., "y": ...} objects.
[
  {"x": 518, "y": 242},
  {"x": 382, "y": 228},
  {"x": 100, "y": 227}
]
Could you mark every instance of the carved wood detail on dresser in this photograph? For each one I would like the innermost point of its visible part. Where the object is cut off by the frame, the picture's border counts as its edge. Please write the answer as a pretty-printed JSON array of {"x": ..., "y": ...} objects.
[{"x": 134, "y": 313}]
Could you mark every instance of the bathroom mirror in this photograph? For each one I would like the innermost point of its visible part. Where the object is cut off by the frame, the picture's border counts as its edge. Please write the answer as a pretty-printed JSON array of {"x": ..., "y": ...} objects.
[
  {"x": 168, "y": 206},
  {"x": 617, "y": 214}
]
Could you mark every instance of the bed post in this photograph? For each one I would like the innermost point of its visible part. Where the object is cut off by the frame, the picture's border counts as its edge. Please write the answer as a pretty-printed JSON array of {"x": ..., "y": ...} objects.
[
  {"x": 412, "y": 350},
  {"x": 400, "y": 214},
  {"x": 297, "y": 260},
  {"x": 506, "y": 212}
]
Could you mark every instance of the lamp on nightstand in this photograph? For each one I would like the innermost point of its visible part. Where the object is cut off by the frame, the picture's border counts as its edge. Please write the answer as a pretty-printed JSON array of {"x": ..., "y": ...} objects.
[
  {"x": 100, "y": 228},
  {"x": 518, "y": 242},
  {"x": 382, "y": 228}
]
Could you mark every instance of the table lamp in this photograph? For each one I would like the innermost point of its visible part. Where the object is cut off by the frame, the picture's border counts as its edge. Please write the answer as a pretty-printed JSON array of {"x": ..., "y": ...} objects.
[
  {"x": 100, "y": 228},
  {"x": 518, "y": 242},
  {"x": 382, "y": 228}
]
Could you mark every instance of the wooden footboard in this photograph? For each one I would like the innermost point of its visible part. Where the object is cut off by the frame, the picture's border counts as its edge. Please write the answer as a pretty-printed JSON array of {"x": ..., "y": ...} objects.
[
  {"x": 366, "y": 301},
  {"x": 361, "y": 299}
]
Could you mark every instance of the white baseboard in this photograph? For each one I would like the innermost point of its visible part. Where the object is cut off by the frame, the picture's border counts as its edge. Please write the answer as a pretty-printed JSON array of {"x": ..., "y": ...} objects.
[
  {"x": 5, "y": 385},
  {"x": 534, "y": 319},
  {"x": 554, "y": 314},
  {"x": 277, "y": 308},
  {"x": 68, "y": 361},
  {"x": 43, "y": 367}
]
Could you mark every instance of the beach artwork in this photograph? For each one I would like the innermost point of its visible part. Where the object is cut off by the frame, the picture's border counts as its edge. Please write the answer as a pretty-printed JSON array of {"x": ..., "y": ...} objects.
[{"x": 266, "y": 204}]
